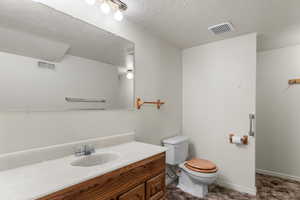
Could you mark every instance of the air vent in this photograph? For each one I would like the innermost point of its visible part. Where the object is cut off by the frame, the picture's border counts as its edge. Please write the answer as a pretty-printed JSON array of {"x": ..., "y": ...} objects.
[
  {"x": 221, "y": 28},
  {"x": 46, "y": 65}
]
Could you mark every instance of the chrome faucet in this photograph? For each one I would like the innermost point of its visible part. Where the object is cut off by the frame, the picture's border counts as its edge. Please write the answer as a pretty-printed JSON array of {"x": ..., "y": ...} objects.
[{"x": 85, "y": 150}]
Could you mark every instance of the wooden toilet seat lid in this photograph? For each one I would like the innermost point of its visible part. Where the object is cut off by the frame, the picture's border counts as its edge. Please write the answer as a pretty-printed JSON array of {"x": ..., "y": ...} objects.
[{"x": 200, "y": 165}]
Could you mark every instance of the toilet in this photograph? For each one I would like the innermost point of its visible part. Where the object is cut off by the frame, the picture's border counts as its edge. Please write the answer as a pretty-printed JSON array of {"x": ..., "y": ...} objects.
[{"x": 196, "y": 174}]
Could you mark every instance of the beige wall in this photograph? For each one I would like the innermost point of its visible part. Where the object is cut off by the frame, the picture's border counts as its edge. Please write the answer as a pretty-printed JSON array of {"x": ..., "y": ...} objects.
[
  {"x": 218, "y": 95},
  {"x": 158, "y": 75},
  {"x": 278, "y": 112}
]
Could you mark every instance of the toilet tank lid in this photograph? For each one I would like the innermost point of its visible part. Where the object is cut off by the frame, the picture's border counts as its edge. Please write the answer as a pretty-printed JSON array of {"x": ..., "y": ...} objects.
[{"x": 175, "y": 140}]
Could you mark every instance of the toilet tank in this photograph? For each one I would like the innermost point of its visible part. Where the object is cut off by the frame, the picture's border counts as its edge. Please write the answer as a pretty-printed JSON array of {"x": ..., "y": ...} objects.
[{"x": 177, "y": 149}]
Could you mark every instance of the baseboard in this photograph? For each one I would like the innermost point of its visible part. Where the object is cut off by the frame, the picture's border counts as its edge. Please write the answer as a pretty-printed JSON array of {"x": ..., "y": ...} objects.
[
  {"x": 239, "y": 188},
  {"x": 278, "y": 174}
]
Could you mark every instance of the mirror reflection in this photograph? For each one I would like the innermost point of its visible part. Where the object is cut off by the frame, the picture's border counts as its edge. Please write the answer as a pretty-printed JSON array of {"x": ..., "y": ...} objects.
[{"x": 56, "y": 62}]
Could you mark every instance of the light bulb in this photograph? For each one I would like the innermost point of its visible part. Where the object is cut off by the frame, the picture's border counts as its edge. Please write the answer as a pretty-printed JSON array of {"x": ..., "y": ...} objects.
[
  {"x": 118, "y": 15},
  {"x": 90, "y": 2},
  {"x": 105, "y": 7},
  {"x": 129, "y": 74}
]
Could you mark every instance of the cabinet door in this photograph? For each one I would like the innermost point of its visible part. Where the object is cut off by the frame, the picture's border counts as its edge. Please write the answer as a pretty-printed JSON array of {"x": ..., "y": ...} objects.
[
  {"x": 138, "y": 193},
  {"x": 155, "y": 188}
]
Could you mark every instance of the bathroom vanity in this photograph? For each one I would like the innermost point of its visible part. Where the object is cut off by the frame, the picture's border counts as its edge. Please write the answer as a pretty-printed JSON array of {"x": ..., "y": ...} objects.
[
  {"x": 143, "y": 180},
  {"x": 126, "y": 171}
]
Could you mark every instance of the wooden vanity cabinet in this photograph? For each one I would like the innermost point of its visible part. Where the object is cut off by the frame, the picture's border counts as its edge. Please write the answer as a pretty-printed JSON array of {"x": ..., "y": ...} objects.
[
  {"x": 143, "y": 180},
  {"x": 155, "y": 187}
]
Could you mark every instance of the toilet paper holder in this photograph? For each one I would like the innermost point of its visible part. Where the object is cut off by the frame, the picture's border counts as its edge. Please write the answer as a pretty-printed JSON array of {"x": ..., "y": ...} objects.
[{"x": 244, "y": 139}]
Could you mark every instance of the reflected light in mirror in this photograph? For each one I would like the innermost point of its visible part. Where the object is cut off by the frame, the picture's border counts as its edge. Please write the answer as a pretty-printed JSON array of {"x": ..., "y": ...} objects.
[{"x": 130, "y": 74}]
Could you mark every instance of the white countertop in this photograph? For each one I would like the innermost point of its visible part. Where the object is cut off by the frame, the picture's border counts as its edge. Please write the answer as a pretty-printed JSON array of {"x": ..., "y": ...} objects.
[{"x": 38, "y": 180}]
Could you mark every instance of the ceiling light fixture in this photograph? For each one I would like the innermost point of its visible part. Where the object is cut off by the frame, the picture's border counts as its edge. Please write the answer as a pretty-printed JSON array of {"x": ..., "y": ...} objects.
[
  {"x": 118, "y": 15},
  {"x": 90, "y": 2},
  {"x": 107, "y": 5}
]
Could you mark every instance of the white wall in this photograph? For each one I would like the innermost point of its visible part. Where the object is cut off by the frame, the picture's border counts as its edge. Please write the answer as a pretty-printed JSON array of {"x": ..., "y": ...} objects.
[
  {"x": 278, "y": 111},
  {"x": 37, "y": 88},
  {"x": 126, "y": 95},
  {"x": 158, "y": 75},
  {"x": 218, "y": 95}
]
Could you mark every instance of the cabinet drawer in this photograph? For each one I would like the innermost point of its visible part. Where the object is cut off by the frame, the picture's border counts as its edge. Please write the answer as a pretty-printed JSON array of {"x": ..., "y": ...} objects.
[
  {"x": 137, "y": 193},
  {"x": 155, "y": 187}
]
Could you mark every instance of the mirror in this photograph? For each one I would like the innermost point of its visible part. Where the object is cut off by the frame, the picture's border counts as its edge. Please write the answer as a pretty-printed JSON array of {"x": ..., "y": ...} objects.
[{"x": 56, "y": 62}]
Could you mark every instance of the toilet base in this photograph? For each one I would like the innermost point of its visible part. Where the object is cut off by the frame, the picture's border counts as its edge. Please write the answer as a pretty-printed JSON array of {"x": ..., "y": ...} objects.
[{"x": 192, "y": 186}]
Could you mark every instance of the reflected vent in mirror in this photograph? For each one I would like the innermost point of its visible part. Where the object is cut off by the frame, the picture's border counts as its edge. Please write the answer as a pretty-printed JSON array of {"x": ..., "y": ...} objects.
[{"x": 46, "y": 65}]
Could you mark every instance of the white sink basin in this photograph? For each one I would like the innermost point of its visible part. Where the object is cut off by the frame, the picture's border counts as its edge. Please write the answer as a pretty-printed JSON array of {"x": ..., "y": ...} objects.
[{"x": 93, "y": 160}]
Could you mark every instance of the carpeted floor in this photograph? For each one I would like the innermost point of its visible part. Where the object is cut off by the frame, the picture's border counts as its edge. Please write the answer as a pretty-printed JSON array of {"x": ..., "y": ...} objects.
[
  {"x": 272, "y": 188},
  {"x": 269, "y": 188}
]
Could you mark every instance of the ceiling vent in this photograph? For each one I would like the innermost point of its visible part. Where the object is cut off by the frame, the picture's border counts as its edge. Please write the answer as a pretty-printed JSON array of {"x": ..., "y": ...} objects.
[{"x": 221, "y": 28}]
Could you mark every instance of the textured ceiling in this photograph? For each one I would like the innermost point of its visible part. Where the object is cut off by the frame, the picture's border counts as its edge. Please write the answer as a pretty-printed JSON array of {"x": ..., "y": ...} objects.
[{"x": 184, "y": 22}]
